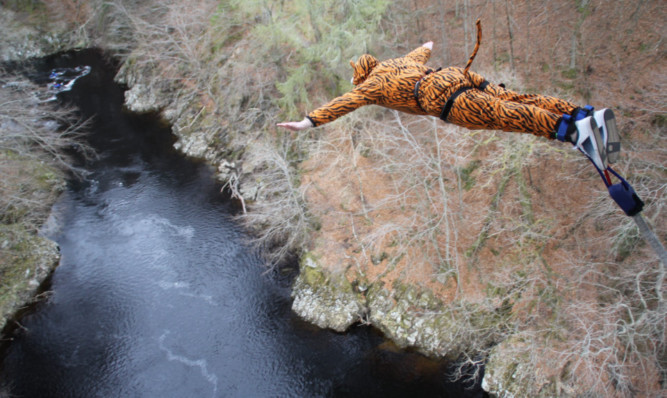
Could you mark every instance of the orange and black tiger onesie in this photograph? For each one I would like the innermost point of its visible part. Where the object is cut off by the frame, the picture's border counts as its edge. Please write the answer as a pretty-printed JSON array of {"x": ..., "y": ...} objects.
[{"x": 456, "y": 95}]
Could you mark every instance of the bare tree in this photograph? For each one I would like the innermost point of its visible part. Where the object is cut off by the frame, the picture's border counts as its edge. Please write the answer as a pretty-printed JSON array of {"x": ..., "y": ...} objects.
[{"x": 36, "y": 138}]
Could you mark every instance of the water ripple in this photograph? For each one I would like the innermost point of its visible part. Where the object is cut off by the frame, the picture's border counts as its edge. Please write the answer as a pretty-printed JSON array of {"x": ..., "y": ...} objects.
[{"x": 202, "y": 364}]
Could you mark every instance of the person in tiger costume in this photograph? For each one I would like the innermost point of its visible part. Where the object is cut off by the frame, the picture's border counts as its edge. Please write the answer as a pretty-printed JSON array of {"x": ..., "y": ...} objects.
[{"x": 464, "y": 98}]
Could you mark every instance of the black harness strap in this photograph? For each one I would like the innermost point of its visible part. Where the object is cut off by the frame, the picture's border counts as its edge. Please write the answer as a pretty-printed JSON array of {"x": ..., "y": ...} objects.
[
  {"x": 450, "y": 102},
  {"x": 415, "y": 92}
]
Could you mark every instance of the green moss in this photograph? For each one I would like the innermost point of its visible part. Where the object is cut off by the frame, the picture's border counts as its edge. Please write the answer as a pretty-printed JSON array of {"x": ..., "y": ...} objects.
[
  {"x": 33, "y": 187},
  {"x": 15, "y": 249},
  {"x": 310, "y": 269},
  {"x": 313, "y": 276},
  {"x": 417, "y": 296},
  {"x": 21, "y": 253},
  {"x": 427, "y": 300}
]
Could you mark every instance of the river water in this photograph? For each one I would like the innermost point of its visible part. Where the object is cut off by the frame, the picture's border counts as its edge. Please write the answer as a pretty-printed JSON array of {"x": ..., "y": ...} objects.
[{"x": 158, "y": 294}]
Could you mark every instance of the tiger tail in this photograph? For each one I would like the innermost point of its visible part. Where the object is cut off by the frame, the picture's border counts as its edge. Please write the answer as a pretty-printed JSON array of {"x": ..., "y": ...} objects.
[{"x": 474, "y": 51}]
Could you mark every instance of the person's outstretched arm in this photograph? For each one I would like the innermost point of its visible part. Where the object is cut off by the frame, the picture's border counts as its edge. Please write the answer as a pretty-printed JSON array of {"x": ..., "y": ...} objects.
[
  {"x": 336, "y": 108},
  {"x": 364, "y": 94},
  {"x": 296, "y": 126},
  {"x": 421, "y": 54}
]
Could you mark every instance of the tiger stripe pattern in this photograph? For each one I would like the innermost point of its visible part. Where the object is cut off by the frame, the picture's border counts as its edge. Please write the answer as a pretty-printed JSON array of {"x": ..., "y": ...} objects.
[
  {"x": 483, "y": 105},
  {"x": 496, "y": 108},
  {"x": 389, "y": 83},
  {"x": 478, "y": 43}
]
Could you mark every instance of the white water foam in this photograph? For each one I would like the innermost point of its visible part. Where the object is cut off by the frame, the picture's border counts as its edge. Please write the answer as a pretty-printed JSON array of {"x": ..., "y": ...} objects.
[
  {"x": 195, "y": 363},
  {"x": 183, "y": 289}
]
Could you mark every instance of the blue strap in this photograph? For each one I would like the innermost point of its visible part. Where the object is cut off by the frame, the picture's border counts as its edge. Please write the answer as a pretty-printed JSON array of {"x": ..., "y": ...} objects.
[
  {"x": 583, "y": 112},
  {"x": 588, "y": 111},
  {"x": 565, "y": 122},
  {"x": 625, "y": 196}
]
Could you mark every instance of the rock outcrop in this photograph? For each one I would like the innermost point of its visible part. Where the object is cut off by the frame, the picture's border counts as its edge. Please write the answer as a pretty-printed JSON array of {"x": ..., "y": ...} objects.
[{"x": 28, "y": 260}]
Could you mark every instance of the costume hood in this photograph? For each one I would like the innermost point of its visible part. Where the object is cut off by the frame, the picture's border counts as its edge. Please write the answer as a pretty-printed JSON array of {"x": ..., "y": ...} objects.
[{"x": 363, "y": 68}]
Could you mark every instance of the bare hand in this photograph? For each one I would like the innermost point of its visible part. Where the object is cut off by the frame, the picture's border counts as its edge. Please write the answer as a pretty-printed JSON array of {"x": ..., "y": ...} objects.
[{"x": 296, "y": 126}]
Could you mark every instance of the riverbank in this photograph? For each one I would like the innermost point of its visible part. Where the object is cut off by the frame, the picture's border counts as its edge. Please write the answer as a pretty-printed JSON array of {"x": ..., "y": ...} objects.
[
  {"x": 34, "y": 134},
  {"x": 30, "y": 185},
  {"x": 451, "y": 242}
]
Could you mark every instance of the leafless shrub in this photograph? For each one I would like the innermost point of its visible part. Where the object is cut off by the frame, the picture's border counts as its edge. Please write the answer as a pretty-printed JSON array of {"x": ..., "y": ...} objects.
[
  {"x": 279, "y": 217},
  {"x": 36, "y": 137},
  {"x": 423, "y": 168},
  {"x": 601, "y": 322}
]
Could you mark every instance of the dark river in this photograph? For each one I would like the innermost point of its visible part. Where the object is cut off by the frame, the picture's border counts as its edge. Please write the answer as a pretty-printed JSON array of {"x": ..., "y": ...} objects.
[{"x": 158, "y": 295}]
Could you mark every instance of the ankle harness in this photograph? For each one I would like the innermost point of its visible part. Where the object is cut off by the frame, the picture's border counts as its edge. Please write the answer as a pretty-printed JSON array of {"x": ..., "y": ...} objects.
[{"x": 566, "y": 124}]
